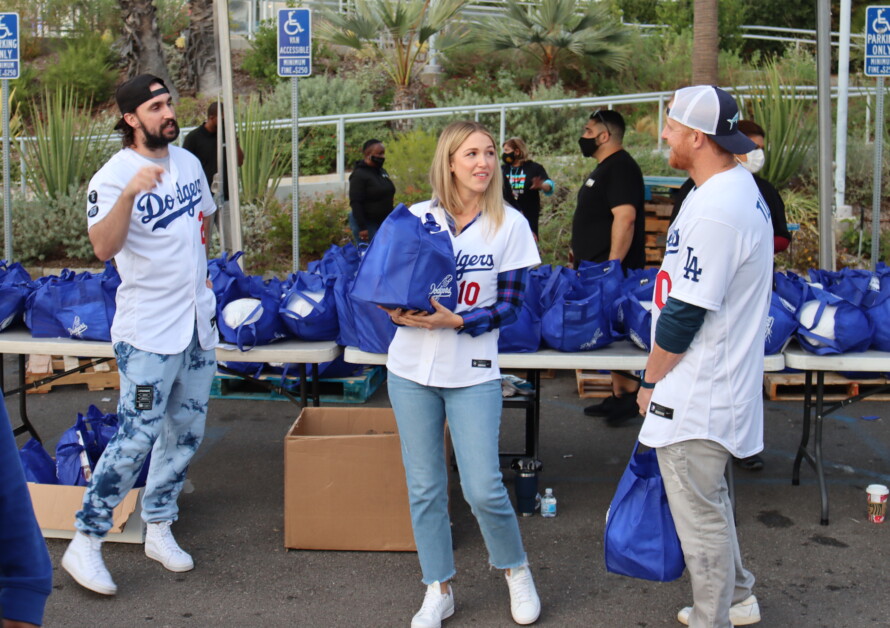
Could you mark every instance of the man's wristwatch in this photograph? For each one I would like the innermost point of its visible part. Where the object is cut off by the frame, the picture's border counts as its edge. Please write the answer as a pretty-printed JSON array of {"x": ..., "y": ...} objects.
[{"x": 644, "y": 383}]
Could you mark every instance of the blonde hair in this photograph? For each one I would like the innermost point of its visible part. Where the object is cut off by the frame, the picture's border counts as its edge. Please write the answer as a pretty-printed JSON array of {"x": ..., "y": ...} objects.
[
  {"x": 442, "y": 180},
  {"x": 518, "y": 146}
]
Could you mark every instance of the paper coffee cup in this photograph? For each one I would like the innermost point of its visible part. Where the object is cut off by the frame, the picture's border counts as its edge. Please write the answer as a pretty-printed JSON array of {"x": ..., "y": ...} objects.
[{"x": 877, "y": 502}]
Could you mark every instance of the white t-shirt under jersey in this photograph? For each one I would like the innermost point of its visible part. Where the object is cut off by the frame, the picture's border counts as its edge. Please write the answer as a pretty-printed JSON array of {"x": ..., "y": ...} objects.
[
  {"x": 443, "y": 357},
  {"x": 163, "y": 265},
  {"x": 719, "y": 256}
]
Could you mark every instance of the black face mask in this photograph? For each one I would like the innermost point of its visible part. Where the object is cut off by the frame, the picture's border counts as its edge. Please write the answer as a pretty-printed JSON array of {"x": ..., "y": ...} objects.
[
  {"x": 508, "y": 158},
  {"x": 378, "y": 161},
  {"x": 588, "y": 146}
]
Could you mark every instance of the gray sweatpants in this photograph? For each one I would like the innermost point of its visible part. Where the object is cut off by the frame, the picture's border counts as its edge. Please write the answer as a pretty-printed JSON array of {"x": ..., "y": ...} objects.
[{"x": 699, "y": 501}]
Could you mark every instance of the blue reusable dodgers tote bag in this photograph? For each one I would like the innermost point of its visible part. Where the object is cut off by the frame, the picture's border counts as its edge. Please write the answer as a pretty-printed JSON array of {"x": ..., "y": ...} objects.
[
  {"x": 641, "y": 540},
  {"x": 409, "y": 262},
  {"x": 308, "y": 308}
]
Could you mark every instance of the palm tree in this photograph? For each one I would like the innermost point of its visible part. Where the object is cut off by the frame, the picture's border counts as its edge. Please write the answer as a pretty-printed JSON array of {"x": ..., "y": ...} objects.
[
  {"x": 142, "y": 41},
  {"x": 705, "y": 43},
  {"x": 396, "y": 33},
  {"x": 554, "y": 33},
  {"x": 201, "y": 63}
]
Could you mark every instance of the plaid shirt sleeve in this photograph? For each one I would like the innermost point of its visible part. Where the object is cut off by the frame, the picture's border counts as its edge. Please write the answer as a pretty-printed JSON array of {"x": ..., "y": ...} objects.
[{"x": 511, "y": 285}]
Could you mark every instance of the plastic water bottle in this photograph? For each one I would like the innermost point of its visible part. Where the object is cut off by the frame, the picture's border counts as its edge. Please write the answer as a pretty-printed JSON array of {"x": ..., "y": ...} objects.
[{"x": 548, "y": 503}]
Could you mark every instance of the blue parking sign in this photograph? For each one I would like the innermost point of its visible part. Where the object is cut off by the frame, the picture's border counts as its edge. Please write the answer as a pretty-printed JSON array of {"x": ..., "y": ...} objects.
[
  {"x": 9, "y": 45},
  {"x": 294, "y": 42},
  {"x": 877, "y": 41}
]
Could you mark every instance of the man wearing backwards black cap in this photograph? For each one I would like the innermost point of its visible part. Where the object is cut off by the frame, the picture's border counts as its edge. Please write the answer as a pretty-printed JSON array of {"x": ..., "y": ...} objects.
[
  {"x": 148, "y": 208},
  {"x": 700, "y": 392}
]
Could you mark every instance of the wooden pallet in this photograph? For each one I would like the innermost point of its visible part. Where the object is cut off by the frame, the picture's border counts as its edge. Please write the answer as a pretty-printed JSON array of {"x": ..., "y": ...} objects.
[
  {"x": 593, "y": 384},
  {"x": 97, "y": 377},
  {"x": 790, "y": 387},
  {"x": 355, "y": 389}
]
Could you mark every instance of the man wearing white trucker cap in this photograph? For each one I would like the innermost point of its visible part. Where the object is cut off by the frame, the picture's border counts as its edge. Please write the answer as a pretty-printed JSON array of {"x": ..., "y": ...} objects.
[{"x": 700, "y": 392}]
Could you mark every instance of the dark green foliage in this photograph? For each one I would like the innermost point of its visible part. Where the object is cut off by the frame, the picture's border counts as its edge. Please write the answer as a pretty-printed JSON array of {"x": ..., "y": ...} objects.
[{"x": 85, "y": 66}]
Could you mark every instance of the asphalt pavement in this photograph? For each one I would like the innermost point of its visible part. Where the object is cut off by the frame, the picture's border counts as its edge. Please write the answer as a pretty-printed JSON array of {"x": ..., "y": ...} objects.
[{"x": 807, "y": 574}]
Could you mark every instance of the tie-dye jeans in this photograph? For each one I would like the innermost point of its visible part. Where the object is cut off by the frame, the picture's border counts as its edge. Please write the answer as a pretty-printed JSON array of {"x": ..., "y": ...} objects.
[{"x": 162, "y": 409}]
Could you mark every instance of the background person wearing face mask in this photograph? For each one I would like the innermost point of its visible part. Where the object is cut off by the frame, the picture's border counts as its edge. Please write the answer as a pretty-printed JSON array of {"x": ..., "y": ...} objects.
[
  {"x": 524, "y": 180},
  {"x": 371, "y": 192},
  {"x": 609, "y": 224},
  {"x": 753, "y": 162}
]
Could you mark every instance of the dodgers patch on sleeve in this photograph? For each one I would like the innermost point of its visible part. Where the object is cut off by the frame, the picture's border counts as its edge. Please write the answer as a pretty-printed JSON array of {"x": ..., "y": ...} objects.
[
  {"x": 94, "y": 196},
  {"x": 663, "y": 411},
  {"x": 481, "y": 364},
  {"x": 145, "y": 397}
]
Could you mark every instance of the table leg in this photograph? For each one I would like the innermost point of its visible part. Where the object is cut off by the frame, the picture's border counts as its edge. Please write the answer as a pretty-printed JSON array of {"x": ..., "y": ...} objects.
[
  {"x": 316, "y": 397},
  {"x": 26, "y": 425},
  {"x": 817, "y": 445},
  {"x": 304, "y": 395},
  {"x": 805, "y": 436}
]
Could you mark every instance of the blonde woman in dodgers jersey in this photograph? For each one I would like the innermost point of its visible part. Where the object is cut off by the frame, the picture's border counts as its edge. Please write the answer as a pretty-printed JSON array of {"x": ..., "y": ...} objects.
[{"x": 444, "y": 364}]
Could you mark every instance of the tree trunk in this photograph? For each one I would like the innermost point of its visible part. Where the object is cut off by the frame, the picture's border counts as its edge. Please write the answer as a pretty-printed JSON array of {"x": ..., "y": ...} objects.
[
  {"x": 404, "y": 99},
  {"x": 141, "y": 47},
  {"x": 201, "y": 62},
  {"x": 705, "y": 43}
]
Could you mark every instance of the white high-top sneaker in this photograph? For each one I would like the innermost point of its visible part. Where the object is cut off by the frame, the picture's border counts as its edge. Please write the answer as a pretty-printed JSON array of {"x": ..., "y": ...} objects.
[
  {"x": 436, "y": 607},
  {"x": 83, "y": 560},
  {"x": 162, "y": 547}
]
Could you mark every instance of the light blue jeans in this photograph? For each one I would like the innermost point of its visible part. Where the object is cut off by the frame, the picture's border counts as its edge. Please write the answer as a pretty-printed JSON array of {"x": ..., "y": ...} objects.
[
  {"x": 474, "y": 418},
  {"x": 162, "y": 410}
]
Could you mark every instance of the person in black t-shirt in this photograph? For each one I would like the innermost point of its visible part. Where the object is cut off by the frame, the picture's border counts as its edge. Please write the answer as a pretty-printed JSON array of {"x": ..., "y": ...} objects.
[
  {"x": 524, "y": 180},
  {"x": 609, "y": 223},
  {"x": 371, "y": 192},
  {"x": 201, "y": 142}
]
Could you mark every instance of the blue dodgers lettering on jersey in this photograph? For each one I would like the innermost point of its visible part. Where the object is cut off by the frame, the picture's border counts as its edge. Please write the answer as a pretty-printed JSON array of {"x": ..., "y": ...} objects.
[
  {"x": 764, "y": 209},
  {"x": 472, "y": 263},
  {"x": 154, "y": 207},
  {"x": 691, "y": 269}
]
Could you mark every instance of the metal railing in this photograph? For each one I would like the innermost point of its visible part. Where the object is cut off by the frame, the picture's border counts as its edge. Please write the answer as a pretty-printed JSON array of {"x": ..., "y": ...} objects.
[{"x": 340, "y": 121}]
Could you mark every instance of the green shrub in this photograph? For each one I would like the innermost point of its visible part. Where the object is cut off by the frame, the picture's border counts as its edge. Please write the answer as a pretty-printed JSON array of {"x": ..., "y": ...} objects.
[
  {"x": 408, "y": 159},
  {"x": 267, "y": 232},
  {"x": 261, "y": 61},
  {"x": 325, "y": 95},
  {"x": 85, "y": 67},
  {"x": 52, "y": 228}
]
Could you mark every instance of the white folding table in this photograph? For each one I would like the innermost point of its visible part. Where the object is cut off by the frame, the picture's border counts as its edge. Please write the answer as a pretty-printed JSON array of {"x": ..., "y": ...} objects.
[
  {"x": 796, "y": 357},
  {"x": 19, "y": 341}
]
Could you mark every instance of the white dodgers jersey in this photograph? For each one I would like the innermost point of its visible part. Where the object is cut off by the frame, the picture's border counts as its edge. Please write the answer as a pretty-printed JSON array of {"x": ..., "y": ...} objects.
[
  {"x": 443, "y": 357},
  {"x": 719, "y": 257}
]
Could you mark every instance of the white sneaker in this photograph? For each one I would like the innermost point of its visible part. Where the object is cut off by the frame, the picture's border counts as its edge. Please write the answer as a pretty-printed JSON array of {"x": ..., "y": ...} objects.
[
  {"x": 525, "y": 605},
  {"x": 744, "y": 613},
  {"x": 83, "y": 560},
  {"x": 436, "y": 607},
  {"x": 162, "y": 547}
]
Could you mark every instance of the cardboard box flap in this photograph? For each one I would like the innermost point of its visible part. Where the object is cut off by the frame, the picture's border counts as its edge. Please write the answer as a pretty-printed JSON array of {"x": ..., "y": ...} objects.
[
  {"x": 333, "y": 422},
  {"x": 55, "y": 505}
]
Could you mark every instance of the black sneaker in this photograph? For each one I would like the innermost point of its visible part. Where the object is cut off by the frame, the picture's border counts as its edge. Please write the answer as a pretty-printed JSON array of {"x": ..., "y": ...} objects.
[
  {"x": 602, "y": 408},
  {"x": 751, "y": 463},
  {"x": 625, "y": 409}
]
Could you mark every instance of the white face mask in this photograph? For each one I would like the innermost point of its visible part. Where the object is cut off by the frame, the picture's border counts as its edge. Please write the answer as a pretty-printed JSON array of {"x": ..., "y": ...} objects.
[{"x": 754, "y": 161}]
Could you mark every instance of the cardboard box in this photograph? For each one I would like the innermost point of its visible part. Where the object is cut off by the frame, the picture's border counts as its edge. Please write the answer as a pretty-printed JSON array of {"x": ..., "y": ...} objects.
[
  {"x": 55, "y": 506},
  {"x": 344, "y": 483}
]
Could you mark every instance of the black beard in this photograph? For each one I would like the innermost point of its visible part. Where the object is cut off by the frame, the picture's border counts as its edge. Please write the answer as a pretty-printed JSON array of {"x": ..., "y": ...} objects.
[{"x": 155, "y": 142}]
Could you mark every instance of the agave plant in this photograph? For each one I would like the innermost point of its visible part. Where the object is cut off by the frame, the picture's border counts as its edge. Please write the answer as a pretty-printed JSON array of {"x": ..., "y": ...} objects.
[
  {"x": 61, "y": 155},
  {"x": 789, "y": 125},
  {"x": 265, "y": 153}
]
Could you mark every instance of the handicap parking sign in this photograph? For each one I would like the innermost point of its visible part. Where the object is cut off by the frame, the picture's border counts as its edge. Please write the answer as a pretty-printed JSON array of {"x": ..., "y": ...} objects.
[
  {"x": 9, "y": 46},
  {"x": 877, "y": 41},
  {"x": 294, "y": 42}
]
